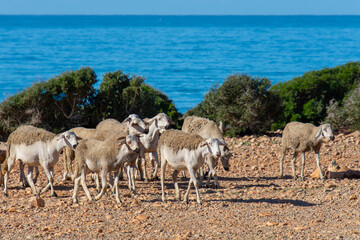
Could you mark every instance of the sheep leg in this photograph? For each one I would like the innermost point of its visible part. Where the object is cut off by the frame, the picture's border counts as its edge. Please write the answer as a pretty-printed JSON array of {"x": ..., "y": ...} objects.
[
  {"x": 103, "y": 184},
  {"x": 143, "y": 161},
  {"x": 212, "y": 173},
  {"x": 49, "y": 175},
  {"x": 121, "y": 175},
  {"x": 22, "y": 175},
  {"x": 201, "y": 175},
  {"x": 174, "y": 178},
  {"x": 30, "y": 181},
  {"x": 186, "y": 196},
  {"x": 318, "y": 165},
  {"x": 193, "y": 181},
  {"x": 83, "y": 183},
  {"x": 281, "y": 174},
  {"x": 163, "y": 168},
  {"x": 139, "y": 169},
  {"x": 302, "y": 165},
  {"x": 111, "y": 181},
  {"x": 6, "y": 178},
  {"x": 36, "y": 174},
  {"x": 156, "y": 157},
  {"x": 293, "y": 164},
  {"x": 131, "y": 179},
  {"x": 76, "y": 188},
  {"x": 95, "y": 178},
  {"x": 116, "y": 185}
]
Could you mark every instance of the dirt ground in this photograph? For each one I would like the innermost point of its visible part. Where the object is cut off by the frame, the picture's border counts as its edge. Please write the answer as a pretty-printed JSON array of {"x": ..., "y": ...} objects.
[{"x": 252, "y": 203}]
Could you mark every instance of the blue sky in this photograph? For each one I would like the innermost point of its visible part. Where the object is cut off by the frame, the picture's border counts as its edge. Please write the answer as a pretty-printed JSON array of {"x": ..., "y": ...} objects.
[{"x": 182, "y": 7}]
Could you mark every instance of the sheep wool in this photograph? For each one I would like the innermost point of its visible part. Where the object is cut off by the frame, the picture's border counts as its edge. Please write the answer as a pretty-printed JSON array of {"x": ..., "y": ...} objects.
[
  {"x": 178, "y": 140},
  {"x": 28, "y": 135}
]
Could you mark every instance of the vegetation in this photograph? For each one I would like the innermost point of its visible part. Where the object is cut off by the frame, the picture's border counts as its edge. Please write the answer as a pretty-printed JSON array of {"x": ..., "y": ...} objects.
[
  {"x": 243, "y": 103},
  {"x": 248, "y": 105},
  {"x": 306, "y": 98},
  {"x": 71, "y": 99},
  {"x": 347, "y": 115}
]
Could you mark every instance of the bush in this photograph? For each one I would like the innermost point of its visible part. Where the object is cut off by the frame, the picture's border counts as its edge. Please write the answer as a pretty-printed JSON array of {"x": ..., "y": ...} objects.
[
  {"x": 70, "y": 100},
  {"x": 242, "y": 103},
  {"x": 306, "y": 98},
  {"x": 121, "y": 95},
  {"x": 347, "y": 115},
  {"x": 55, "y": 104}
]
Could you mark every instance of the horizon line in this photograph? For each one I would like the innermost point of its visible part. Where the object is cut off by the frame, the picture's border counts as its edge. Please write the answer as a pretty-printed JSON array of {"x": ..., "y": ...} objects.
[{"x": 184, "y": 15}]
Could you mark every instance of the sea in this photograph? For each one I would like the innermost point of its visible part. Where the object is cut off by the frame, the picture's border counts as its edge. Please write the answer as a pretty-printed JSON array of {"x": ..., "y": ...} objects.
[{"x": 182, "y": 56}]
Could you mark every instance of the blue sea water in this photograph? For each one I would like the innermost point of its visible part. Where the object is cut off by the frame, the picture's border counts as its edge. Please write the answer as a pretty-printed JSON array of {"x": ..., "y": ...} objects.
[{"x": 183, "y": 56}]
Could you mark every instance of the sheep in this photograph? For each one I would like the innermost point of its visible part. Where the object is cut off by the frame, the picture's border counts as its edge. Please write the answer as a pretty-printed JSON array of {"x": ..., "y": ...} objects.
[
  {"x": 208, "y": 129},
  {"x": 113, "y": 129},
  {"x": 3, "y": 149},
  {"x": 101, "y": 157},
  {"x": 36, "y": 147},
  {"x": 69, "y": 154},
  {"x": 184, "y": 151},
  {"x": 157, "y": 125},
  {"x": 303, "y": 137}
]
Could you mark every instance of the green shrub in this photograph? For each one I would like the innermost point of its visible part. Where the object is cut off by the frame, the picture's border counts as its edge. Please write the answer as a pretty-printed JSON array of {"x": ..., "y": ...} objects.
[
  {"x": 347, "y": 115},
  {"x": 55, "y": 104},
  {"x": 70, "y": 100},
  {"x": 121, "y": 95},
  {"x": 306, "y": 98},
  {"x": 243, "y": 103}
]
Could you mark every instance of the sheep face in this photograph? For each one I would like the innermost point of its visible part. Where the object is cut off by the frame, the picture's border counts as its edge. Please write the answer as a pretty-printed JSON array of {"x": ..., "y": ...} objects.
[
  {"x": 136, "y": 125},
  {"x": 326, "y": 131},
  {"x": 213, "y": 145},
  {"x": 69, "y": 138},
  {"x": 164, "y": 121},
  {"x": 132, "y": 142},
  {"x": 225, "y": 156}
]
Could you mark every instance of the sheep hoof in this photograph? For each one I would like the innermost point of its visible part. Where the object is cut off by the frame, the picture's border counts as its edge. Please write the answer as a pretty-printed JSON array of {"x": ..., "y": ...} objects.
[
  {"x": 25, "y": 185},
  {"x": 6, "y": 195},
  {"x": 54, "y": 194},
  {"x": 146, "y": 180}
]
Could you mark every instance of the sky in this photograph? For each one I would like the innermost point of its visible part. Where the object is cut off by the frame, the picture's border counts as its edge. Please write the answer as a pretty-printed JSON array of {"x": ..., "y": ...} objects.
[{"x": 180, "y": 7}]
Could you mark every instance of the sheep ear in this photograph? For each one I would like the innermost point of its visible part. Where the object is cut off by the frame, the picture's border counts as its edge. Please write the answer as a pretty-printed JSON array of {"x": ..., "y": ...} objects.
[
  {"x": 203, "y": 144},
  {"x": 226, "y": 148},
  {"x": 128, "y": 119},
  {"x": 78, "y": 138},
  {"x": 121, "y": 138},
  {"x": 319, "y": 133},
  {"x": 148, "y": 121},
  {"x": 61, "y": 136},
  {"x": 122, "y": 143},
  {"x": 221, "y": 127}
]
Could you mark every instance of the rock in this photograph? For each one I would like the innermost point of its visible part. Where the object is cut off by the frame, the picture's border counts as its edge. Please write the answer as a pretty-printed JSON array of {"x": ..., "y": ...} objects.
[
  {"x": 37, "y": 202},
  {"x": 265, "y": 214},
  {"x": 142, "y": 217},
  {"x": 353, "y": 197}
]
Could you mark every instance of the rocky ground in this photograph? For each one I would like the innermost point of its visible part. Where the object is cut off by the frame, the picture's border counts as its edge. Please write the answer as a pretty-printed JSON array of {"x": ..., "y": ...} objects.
[{"x": 251, "y": 203}]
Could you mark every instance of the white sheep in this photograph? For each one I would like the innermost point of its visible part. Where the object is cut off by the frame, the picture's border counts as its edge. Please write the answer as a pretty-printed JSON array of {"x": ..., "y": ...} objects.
[
  {"x": 36, "y": 147},
  {"x": 113, "y": 129},
  {"x": 102, "y": 157},
  {"x": 157, "y": 125},
  {"x": 184, "y": 151},
  {"x": 69, "y": 154},
  {"x": 208, "y": 129},
  {"x": 303, "y": 137}
]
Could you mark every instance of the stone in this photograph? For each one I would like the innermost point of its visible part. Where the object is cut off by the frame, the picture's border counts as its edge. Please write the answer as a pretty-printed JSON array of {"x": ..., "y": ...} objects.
[{"x": 37, "y": 202}]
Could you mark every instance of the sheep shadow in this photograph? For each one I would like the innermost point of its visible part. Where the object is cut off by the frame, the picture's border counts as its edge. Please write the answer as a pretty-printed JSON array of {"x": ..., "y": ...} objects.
[{"x": 299, "y": 203}]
